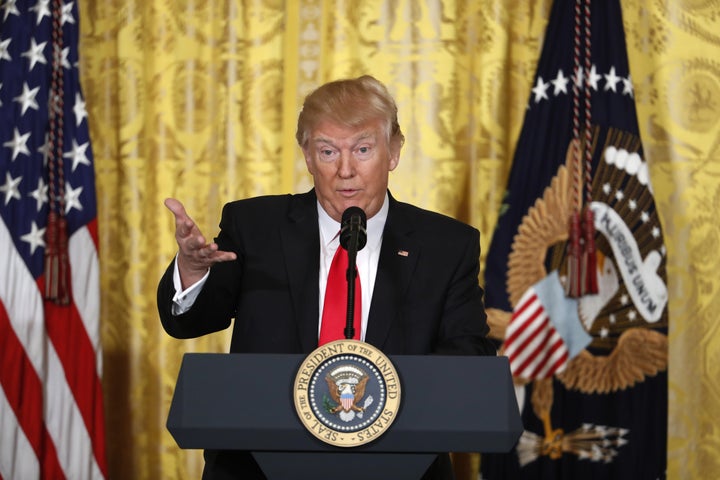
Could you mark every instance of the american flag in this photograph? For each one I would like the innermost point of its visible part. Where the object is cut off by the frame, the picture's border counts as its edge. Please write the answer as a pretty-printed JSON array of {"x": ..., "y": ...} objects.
[{"x": 51, "y": 406}]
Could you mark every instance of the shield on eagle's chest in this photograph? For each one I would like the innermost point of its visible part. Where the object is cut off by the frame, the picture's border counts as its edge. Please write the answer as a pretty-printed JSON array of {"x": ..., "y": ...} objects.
[{"x": 346, "y": 399}]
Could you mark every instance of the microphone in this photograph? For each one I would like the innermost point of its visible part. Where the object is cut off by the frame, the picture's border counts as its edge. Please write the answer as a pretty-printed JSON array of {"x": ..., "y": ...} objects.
[
  {"x": 353, "y": 237},
  {"x": 353, "y": 230}
]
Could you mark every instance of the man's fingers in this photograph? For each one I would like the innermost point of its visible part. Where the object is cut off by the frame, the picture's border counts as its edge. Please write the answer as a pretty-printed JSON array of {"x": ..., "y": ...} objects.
[
  {"x": 211, "y": 254},
  {"x": 222, "y": 256},
  {"x": 175, "y": 207},
  {"x": 193, "y": 246},
  {"x": 198, "y": 243},
  {"x": 195, "y": 252},
  {"x": 203, "y": 258},
  {"x": 184, "y": 225}
]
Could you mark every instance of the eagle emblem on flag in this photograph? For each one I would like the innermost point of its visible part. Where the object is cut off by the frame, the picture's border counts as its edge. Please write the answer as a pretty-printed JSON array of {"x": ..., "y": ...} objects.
[{"x": 622, "y": 319}]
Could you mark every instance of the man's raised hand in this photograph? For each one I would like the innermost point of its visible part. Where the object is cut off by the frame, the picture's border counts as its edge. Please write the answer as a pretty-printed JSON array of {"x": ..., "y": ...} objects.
[{"x": 195, "y": 256}]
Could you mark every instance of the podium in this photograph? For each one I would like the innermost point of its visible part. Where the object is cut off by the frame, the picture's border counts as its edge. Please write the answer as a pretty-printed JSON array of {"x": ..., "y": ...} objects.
[{"x": 245, "y": 402}]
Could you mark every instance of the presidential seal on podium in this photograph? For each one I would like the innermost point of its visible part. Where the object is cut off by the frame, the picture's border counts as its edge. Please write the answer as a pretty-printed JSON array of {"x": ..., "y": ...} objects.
[{"x": 347, "y": 393}]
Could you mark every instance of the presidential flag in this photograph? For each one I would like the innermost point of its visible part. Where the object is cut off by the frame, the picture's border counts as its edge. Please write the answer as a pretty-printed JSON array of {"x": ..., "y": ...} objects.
[
  {"x": 579, "y": 210},
  {"x": 51, "y": 404}
]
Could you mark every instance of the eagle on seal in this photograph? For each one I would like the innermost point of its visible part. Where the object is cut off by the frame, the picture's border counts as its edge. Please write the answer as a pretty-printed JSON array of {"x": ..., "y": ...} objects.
[{"x": 347, "y": 394}]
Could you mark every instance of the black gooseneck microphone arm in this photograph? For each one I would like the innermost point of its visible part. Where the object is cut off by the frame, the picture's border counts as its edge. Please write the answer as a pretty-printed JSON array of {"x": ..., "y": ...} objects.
[{"x": 353, "y": 237}]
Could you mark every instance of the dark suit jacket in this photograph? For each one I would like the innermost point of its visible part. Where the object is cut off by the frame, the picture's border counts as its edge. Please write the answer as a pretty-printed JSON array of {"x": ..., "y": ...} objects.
[{"x": 425, "y": 301}]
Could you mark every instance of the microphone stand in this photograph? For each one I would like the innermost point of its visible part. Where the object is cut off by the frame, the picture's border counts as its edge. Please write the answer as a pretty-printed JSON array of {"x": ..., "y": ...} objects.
[
  {"x": 353, "y": 237},
  {"x": 350, "y": 275}
]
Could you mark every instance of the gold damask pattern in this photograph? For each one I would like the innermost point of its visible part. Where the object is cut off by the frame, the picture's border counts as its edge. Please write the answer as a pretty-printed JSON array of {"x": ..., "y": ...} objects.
[
  {"x": 674, "y": 54},
  {"x": 198, "y": 100}
]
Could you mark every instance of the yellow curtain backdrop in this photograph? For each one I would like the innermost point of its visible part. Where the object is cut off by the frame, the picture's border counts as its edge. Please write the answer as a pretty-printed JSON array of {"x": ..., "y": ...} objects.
[{"x": 197, "y": 99}]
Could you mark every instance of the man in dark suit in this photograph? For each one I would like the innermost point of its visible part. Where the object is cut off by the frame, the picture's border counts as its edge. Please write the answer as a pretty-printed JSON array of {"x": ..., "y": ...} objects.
[{"x": 268, "y": 267}]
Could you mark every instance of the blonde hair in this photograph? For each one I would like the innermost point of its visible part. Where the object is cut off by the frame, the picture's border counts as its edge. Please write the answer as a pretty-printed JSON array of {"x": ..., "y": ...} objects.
[{"x": 349, "y": 102}]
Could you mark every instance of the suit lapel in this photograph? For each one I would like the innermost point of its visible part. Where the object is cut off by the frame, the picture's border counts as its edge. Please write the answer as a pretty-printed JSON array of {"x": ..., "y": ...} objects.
[
  {"x": 398, "y": 258},
  {"x": 301, "y": 249}
]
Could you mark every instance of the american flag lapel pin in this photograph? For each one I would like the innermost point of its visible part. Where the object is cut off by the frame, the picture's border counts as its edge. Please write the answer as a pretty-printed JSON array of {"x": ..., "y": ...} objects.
[{"x": 403, "y": 253}]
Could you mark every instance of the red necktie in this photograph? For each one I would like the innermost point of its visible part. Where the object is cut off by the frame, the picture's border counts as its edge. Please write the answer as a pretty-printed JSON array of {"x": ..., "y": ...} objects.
[{"x": 335, "y": 307}]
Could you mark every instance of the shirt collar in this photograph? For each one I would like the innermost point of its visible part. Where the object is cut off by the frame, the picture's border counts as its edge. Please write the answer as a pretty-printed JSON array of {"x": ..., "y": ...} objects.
[{"x": 329, "y": 228}]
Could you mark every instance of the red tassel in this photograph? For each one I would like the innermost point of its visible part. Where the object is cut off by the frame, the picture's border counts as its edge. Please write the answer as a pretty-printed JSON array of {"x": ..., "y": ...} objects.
[
  {"x": 573, "y": 284},
  {"x": 57, "y": 262},
  {"x": 589, "y": 263}
]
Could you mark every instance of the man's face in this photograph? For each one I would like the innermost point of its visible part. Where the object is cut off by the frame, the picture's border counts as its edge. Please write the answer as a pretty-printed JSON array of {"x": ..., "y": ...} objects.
[{"x": 350, "y": 166}]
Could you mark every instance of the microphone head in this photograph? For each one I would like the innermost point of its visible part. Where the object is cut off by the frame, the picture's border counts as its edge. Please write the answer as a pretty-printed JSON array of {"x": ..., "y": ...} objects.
[{"x": 354, "y": 223}]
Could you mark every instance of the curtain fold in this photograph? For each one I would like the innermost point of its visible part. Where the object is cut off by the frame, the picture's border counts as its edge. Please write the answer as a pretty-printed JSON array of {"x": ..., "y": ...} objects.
[{"x": 198, "y": 100}]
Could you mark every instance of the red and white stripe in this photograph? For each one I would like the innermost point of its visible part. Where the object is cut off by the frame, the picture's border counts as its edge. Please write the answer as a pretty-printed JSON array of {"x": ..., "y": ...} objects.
[
  {"x": 533, "y": 346},
  {"x": 51, "y": 408}
]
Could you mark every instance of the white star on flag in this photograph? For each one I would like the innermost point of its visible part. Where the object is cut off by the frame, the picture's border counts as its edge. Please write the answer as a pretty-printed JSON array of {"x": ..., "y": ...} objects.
[
  {"x": 40, "y": 194},
  {"x": 593, "y": 78},
  {"x": 77, "y": 154},
  {"x": 11, "y": 188},
  {"x": 79, "y": 109},
  {"x": 540, "y": 90},
  {"x": 560, "y": 83},
  {"x": 35, "y": 53},
  {"x": 18, "y": 144},
  {"x": 611, "y": 80},
  {"x": 42, "y": 8},
  {"x": 27, "y": 98},
  {"x": 36, "y": 238},
  {"x": 72, "y": 197},
  {"x": 627, "y": 86}
]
